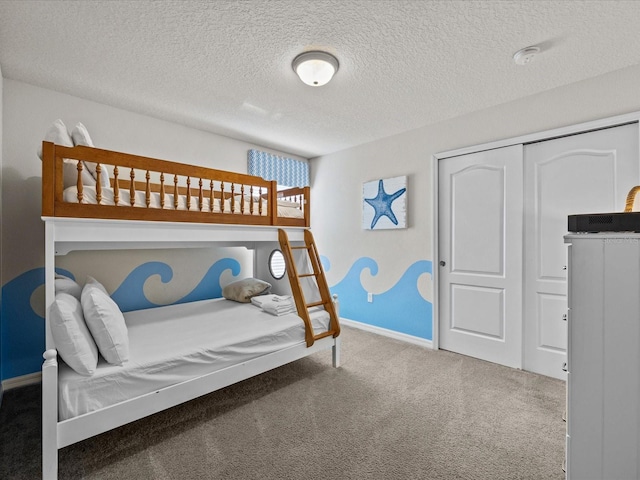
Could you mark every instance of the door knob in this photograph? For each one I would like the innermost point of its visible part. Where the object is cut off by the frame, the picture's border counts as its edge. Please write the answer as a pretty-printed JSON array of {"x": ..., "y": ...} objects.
[{"x": 442, "y": 263}]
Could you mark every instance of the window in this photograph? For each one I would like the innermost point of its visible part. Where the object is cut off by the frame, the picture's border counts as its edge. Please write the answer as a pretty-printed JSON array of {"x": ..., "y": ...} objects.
[{"x": 277, "y": 267}]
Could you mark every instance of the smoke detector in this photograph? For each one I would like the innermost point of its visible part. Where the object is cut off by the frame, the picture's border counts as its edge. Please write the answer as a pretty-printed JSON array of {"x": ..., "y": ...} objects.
[{"x": 524, "y": 56}]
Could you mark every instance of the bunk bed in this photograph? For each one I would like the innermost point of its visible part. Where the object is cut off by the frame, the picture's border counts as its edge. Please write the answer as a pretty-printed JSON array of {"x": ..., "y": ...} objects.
[{"x": 95, "y": 199}]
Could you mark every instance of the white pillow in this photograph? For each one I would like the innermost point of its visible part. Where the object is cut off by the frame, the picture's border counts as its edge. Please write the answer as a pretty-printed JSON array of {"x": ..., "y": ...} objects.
[
  {"x": 70, "y": 174},
  {"x": 106, "y": 323},
  {"x": 80, "y": 136},
  {"x": 65, "y": 284},
  {"x": 71, "y": 336},
  {"x": 92, "y": 281},
  {"x": 243, "y": 290},
  {"x": 57, "y": 134}
]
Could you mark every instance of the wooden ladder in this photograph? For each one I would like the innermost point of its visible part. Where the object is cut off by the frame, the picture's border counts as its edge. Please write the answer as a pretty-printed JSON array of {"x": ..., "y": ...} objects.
[{"x": 318, "y": 273}]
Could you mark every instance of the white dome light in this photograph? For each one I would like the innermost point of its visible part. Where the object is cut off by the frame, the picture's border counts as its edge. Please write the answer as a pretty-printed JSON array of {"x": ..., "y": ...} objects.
[{"x": 315, "y": 68}]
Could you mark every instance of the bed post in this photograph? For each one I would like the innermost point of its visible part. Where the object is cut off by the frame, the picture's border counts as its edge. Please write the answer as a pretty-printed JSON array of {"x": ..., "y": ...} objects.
[
  {"x": 49, "y": 367},
  {"x": 335, "y": 351},
  {"x": 48, "y": 179},
  {"x": 273, "y": 202},
  {"x": 307, "y": 207},
  {"x": 50, "y": 415},
  {"x": 337, "y": 341},
  {"x": 49, "y": 279}
]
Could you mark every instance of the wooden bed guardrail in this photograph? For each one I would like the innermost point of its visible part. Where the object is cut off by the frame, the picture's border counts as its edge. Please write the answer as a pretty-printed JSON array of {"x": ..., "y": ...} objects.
[{"x": 208, "y": 195}]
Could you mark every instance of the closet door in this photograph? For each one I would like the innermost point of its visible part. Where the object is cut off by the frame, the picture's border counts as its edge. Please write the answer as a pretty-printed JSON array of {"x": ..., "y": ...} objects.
[
  {"x": 480, "y": 243},
  {"x": 586, "y": 173}
]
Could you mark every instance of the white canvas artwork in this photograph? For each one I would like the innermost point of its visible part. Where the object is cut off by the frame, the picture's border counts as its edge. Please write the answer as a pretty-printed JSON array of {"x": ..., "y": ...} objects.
[{"x": 384, "y": 203}]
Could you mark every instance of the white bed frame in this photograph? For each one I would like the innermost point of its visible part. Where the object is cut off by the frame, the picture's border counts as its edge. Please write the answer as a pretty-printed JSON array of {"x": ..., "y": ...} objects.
[{"x": 63, "y": 235}]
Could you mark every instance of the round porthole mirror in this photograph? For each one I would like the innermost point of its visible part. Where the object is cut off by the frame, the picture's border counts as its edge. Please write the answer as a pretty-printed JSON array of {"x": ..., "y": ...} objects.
[{"x": 277, "y": 267}]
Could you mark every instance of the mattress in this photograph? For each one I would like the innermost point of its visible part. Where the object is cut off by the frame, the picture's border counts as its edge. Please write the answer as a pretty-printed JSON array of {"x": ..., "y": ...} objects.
[
  {"x": 285, "y": 208},
  {"x": 175, "y": 343}
]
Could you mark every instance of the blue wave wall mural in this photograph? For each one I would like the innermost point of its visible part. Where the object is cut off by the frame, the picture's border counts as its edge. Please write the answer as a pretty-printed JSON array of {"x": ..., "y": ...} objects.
[
  {"x": 130, "y": 294},
  {"x": 22, "y": 327},
  {"x": 401, "y": 308}
]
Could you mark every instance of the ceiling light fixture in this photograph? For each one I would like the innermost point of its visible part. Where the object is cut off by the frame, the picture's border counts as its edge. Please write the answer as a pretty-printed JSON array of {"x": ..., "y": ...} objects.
[
  {"x": 315, "y": 68},
  {"x": 524, "y": 56}
]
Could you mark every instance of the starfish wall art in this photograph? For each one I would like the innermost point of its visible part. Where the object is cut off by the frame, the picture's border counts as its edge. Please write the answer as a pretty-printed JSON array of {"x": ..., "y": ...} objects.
[{"x": 384, "y": 204}]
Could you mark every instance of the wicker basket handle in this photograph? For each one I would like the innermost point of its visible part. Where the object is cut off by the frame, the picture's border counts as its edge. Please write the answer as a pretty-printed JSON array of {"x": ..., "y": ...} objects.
[{"x": 631, "y": 198}]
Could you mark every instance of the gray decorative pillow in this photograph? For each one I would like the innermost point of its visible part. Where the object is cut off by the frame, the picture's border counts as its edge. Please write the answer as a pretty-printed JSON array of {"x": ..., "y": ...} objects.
[{"x": 243, "y": 290}]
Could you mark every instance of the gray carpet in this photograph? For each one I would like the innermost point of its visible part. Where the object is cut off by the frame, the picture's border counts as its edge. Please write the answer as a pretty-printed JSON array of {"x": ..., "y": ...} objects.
[{"x": 392, "y": 411}]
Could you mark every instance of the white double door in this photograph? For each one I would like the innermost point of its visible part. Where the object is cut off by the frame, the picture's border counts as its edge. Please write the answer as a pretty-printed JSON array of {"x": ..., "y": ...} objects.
[{"x": 502, "y": 218}]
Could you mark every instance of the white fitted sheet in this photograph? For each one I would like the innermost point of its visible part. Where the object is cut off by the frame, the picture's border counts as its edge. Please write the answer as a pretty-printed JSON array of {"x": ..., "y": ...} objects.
[
  {"x": 175, "y": 343},
  {"x": 70, "y": 194}
]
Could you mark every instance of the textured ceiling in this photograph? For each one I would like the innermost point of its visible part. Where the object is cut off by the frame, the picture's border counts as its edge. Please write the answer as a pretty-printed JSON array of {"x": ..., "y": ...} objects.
[{"x": 225, "y": 66}]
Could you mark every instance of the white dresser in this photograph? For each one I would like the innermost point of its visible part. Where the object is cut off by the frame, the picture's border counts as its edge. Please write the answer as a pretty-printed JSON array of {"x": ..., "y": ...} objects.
[{"x": 603, "y": 362}]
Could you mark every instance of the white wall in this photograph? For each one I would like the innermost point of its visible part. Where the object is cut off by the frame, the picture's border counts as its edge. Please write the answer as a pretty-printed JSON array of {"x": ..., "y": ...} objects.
[
  {"x": 337, "y": 179},
  {"x": 28, "y": 111}
]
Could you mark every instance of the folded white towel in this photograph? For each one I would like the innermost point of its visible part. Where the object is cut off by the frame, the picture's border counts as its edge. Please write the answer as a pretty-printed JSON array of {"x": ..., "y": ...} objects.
[
  {"x": 282, "y": 298},
  {"x": 278, "y": 313},
  {"x": 275, "y": 304},
  {"x": 278, "y": 307},
  {"x": 257, "y": 301},
  {"x": 260, "y": 299}
]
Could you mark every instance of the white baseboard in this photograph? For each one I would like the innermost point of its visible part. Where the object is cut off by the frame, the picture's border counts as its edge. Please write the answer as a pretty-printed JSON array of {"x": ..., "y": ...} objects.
[
  {"x": 422, "y": 342},
  {"x": 22, "y": 381}
]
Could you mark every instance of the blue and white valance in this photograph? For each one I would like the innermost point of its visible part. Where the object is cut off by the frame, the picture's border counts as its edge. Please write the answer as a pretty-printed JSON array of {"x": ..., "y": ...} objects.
[{"x": 286, "y": 171}]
